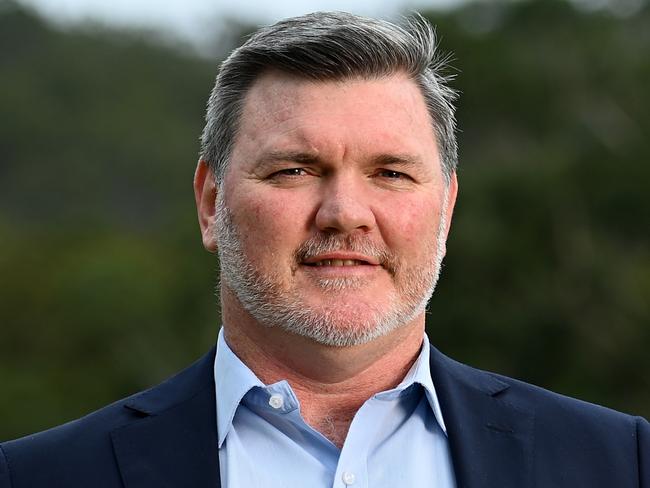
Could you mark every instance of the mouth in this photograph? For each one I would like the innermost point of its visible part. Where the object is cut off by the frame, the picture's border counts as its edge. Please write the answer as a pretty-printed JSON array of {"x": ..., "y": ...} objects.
[
  {"x": 337, "y": 262},
  {"x": 340, "y": 259}
]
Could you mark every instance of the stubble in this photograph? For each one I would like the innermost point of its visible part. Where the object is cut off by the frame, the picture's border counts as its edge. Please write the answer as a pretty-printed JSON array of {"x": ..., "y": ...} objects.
[{"x": 339, "y": 323}]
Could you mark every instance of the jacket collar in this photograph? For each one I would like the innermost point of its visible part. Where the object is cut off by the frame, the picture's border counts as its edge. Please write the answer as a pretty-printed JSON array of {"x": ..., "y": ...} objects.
[{"x": 490, "y": 435}]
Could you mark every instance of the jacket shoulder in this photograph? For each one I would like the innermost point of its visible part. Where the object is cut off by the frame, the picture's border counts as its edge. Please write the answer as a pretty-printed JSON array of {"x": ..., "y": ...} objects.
[
  {"x": 547, "y": 404},
  {"x": 553, "y": 407},
  {"x": 581, "y": 432},
  {"x": 80, "y": 452},
  {"x": 44, "y": 458},
  {"x": 569, "y": 439}
]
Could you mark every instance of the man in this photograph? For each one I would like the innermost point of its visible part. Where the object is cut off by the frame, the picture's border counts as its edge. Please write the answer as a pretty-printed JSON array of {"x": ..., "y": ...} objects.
[{"x": 327, "y": 184}]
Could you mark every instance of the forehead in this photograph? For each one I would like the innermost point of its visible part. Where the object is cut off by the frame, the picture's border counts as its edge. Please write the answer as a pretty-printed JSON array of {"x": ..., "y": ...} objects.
[{"x": 388, "y": 114}]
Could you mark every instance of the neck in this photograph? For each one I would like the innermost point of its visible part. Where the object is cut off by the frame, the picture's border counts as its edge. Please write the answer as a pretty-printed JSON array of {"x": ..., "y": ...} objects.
[{"x": 331, "y": 383}]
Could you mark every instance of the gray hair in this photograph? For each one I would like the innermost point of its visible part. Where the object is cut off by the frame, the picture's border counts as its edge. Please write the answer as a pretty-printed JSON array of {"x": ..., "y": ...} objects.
[{"x": 331, "y": 46}]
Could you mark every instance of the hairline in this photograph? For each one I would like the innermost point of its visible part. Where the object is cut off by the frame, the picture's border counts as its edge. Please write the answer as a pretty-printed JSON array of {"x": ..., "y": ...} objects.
[{"x": 411, "y": 49}]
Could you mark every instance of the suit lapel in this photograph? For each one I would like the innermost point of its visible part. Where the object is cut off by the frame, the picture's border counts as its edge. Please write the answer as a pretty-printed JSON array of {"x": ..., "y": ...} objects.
[
  {"x": 172, "y": 441},
  {"x": 490, "y": 438}
]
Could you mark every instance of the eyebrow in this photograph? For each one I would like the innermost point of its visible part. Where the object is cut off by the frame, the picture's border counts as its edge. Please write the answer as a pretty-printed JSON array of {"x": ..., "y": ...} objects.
[
  {"x": 294, "y": 156},
  {"x": 302, "y": 157},
  {"x": 398, "y": 160}
]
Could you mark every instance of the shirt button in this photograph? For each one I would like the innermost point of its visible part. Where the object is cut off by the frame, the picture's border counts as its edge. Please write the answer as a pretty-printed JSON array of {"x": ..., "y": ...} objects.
[
  {"x": 348, "y": 478},
  {"x": 276, "y": 401}
]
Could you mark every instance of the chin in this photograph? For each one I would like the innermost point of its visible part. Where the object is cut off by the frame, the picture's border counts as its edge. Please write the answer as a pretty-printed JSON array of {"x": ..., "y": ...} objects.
[{"x": 339, "y": 324}]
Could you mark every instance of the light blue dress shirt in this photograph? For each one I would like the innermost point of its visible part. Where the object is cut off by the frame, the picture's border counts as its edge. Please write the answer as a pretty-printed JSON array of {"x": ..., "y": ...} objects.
[{"x": 396, "y": 439}]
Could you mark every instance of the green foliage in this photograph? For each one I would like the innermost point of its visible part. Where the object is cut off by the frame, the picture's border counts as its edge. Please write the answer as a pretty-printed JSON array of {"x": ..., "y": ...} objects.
[
  {"x": 547, "y": 276},
  {"x": 105, "y": 288},
  {"x": 104, "y": 285}
]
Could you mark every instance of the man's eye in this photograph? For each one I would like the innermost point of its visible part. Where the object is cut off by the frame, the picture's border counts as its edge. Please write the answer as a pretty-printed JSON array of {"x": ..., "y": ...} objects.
[
  {"x": 392, "y": 175},
  {"x": 289, "y": 172}
]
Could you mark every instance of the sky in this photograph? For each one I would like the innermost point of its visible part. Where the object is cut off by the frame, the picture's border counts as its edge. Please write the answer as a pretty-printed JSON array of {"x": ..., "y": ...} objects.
[
  {"x": 192, "y": 19},
  {"x": 199, "y": 22}
]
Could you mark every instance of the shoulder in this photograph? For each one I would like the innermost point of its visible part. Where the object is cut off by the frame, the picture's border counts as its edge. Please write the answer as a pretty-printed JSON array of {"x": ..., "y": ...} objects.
[
  {"x": 558, "y": 415},
  {"x": 84, "y": 443},
  {"x": 81, "y": 452},
  {"x": 555, "y": 415},
  {"x": 537, "y": 434},
  {"x": 544, "y": 403},
  {"x": 572, "y": 434}
]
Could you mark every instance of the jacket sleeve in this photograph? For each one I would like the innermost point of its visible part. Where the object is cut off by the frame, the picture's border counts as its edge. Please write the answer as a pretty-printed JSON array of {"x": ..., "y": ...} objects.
[
  {"x": 643, "y": 443},
  {"x": 5, "y": 481}
]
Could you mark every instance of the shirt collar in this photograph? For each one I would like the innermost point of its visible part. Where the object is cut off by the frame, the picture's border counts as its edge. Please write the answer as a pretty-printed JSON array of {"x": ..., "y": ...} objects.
[
  {"x": 420, "y": 373},
  {"x": 233, "y": 379}
]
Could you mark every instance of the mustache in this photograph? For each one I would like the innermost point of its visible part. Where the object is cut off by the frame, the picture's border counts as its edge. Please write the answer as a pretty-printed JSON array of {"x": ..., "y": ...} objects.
[{"x": 357, "y": 243}]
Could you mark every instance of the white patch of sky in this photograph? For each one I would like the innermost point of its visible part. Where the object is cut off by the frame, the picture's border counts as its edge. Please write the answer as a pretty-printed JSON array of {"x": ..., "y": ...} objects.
[
  {"x": 195, "y": 20},
  {"x": 199, "y": 22}
]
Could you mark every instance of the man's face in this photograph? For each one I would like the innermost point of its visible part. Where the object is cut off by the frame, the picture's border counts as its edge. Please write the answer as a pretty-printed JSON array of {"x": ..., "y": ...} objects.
[{"x": 332, "y": 215}]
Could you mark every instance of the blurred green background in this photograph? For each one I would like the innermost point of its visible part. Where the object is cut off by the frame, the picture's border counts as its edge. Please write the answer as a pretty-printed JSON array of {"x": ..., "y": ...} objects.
[{"x": 105, "y": 288}]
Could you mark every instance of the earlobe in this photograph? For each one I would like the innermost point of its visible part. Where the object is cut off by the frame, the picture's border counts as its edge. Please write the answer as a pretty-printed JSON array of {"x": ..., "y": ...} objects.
[{"x": 205, "y": 194}]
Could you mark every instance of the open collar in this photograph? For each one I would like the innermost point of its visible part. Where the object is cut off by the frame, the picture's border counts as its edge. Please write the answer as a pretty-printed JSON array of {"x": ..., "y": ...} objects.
[{"x": 172, "y": 438}]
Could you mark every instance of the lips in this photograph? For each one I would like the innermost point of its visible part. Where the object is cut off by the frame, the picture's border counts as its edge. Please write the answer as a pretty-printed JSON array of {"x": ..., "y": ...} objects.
[
  {"x": 338, "y": 262},
  {"x": 340, "y": 259},
  {"x": 352, "y": 253}
]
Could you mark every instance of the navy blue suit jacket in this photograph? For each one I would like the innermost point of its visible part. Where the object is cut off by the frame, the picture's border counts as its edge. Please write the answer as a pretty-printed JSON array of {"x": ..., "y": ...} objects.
[{"x": 502, "y": 433}]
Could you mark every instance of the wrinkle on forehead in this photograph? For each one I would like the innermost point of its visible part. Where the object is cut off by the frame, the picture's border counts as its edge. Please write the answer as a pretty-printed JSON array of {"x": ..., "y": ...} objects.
[{"x": 336, "y": 119}]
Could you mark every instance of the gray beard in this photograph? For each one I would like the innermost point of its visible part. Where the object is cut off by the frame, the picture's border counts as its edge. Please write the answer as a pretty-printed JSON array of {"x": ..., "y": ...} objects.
[{"x": 335, "y": 324}]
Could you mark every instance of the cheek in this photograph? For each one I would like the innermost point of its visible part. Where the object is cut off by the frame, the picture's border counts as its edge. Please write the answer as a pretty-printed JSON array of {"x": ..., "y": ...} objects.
[
  {"x": 268, "y": 226},
  {"x": 411, "y": 226}
]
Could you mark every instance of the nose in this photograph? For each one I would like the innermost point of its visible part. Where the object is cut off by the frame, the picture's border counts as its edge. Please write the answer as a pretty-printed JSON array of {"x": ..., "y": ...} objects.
[{"x": 344, "y": 207}]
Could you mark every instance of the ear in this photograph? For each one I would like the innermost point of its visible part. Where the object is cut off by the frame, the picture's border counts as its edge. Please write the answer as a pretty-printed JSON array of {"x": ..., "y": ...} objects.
[
  {"x": 205, "y": 194},
  {"x": 452, "y": 193}
]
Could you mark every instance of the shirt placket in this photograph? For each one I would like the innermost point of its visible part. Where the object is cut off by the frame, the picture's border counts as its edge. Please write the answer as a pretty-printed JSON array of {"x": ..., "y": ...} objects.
[{"x": 352, "y": 468}]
